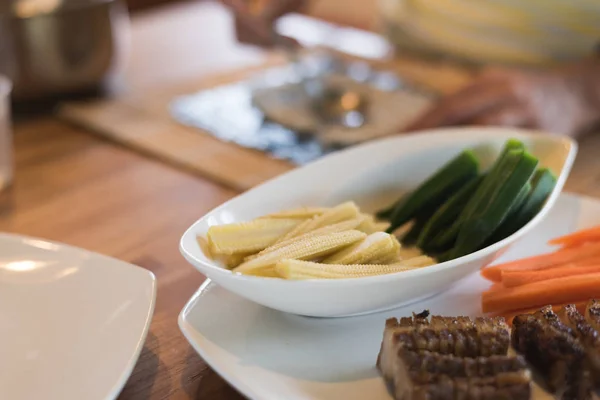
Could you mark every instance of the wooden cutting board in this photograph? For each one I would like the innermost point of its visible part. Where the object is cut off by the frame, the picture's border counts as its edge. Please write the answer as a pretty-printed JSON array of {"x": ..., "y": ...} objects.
[{"x": 141, "y": 121}]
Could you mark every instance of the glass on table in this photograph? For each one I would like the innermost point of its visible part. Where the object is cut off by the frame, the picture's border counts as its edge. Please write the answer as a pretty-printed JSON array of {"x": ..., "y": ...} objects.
[{"x": 6, "y": 149}]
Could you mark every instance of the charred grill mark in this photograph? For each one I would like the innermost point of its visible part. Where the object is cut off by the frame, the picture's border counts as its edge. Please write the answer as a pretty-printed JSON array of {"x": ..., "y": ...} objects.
[
  {"x": 451, "y": 358},
  {"x": 423, "y": 367},
  {"x": 461, "y": 336},
  {"x": 552, "y": 347},
  {"x": 438, "y": 376},
  {"x": 463, "y": 389},
  {"x": 581, "y": 328},
  {"x": 588, "y": 337},
  {"x": 592, "y": 314},
  {"x": 446, "y": 338},
  {"x": 551, "y": 318}
]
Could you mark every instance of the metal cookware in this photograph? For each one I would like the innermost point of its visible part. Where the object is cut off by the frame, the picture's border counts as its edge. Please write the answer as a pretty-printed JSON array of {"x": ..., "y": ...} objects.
[{"x": 55, "y": 47}]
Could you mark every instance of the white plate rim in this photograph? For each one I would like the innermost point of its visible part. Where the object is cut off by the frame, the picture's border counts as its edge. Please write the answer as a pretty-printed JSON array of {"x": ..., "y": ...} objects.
[
  {"x": 118, "y": 386},
  {"x": 181, "y": 321}
]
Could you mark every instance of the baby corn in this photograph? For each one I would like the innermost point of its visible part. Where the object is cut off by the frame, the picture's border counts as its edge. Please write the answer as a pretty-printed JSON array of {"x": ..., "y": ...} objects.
[
  {"x": 301, "y": 213},
  {"x": 376, "y": 245},
  {"x": 387, "y": 259},
  {"x": 418, "y": 262},
  {"x": 248, "y": 237},
  {"x": 228, "y": 260},
  {"x": 392, "y": 257},
  {"x": 343, "y": 212},
  {"x": 204, "y": 246},
  {"x": 370, "y": 225},
  {"x": 339, "y": 227},
  {"x": 233, "y": 260},
  {"x": 310, "y": 248},
  {"x": 297, "y": 269},
  {"x": 410, "y": 252}
]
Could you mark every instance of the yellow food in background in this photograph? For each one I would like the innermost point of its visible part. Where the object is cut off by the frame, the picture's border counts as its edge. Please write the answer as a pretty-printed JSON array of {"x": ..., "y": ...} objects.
[{"x": 311, "y": 243}]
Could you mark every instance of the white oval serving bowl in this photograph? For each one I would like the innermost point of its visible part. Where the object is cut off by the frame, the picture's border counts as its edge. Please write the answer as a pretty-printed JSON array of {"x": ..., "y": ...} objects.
[{"x": 373, "y": 175}]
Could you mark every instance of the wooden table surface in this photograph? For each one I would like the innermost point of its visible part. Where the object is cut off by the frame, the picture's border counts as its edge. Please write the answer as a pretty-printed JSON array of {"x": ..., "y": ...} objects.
[{"x": 74, "y": 188}]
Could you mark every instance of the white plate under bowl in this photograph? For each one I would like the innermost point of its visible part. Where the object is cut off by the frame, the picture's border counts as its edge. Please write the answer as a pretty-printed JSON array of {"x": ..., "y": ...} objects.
[
  {"x": 271, "y": 355},
  {"x": 373, "y": 175},
  {"x": 72, "y": 322}
]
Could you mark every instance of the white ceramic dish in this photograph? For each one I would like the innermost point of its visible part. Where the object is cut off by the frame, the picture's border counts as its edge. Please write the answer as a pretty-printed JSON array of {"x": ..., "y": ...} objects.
[
  {"x": 72, "y": 322},
  {"x": 270, "y": 355},
  {"x": 373, "y": 175}
]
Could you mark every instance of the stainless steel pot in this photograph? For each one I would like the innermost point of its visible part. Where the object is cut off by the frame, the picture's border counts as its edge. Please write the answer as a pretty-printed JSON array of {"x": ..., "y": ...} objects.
[{"x": 54, "y": 47}]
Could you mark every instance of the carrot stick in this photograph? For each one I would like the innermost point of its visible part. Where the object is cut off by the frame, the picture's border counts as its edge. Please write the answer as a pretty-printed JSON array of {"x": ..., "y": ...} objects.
[
  {"x": 584, "y": 235},
  {"x": 572, "y": 245},
  {"x": 510, "y": 315},
  {"x": 496, "y": 286},
  {"x": 542, "y": 261},
  {"x": 559, "y": 290},
  {"x": 520, "y": 278},
  {"x": 578, "y": 243}
]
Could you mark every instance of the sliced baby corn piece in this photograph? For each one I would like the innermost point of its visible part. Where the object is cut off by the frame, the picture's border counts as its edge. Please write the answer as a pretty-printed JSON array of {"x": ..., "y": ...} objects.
[
  {"x": 248, "y": 237},
  {"x": 301, "y": 213},
  {"x": 267, "y": 272},
  {"x": 232, "y": 260},
  {"x": 375, "y": 245},
  {"x": 204, "y": 246},
  {"x": 410, "y": 252},
  {"x": 380, "y": 226},
  {"x": 310, "y": 248},
  {"x": 298, "y": 269},
  {"x": 392, "y": 257},
  {"x": 370, "y": 225},
  {"x": 339, "y": 227},
  {"x": 228, "y": 260},
  {"x": 418, "y": 262},
  {"x": 342, "y": 212},
  {"x": 387, "y": 259}
]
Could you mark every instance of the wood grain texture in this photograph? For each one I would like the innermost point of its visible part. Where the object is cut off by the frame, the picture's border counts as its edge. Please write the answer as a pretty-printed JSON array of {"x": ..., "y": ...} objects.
[
  {"x": 147, "y": 127},
  {"x": 74, "y": 188},
  {"x": 79, "y": 189}
]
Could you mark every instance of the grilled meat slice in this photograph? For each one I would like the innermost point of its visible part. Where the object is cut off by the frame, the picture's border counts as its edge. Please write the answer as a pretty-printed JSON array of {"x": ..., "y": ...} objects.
[
  {"x": 460, "y": 336},
  {"x": 494, "y": 335},
  {"x": 592, "y": 314},
  {"x": 587, "y": 335},
  {"x": 551, "y": 347},
  {"x": 463, "y": 389},
  {"x": 425, "y": 375},
  {"x": 451, "y": 358},
  {"x": 424, "y": 366}
]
